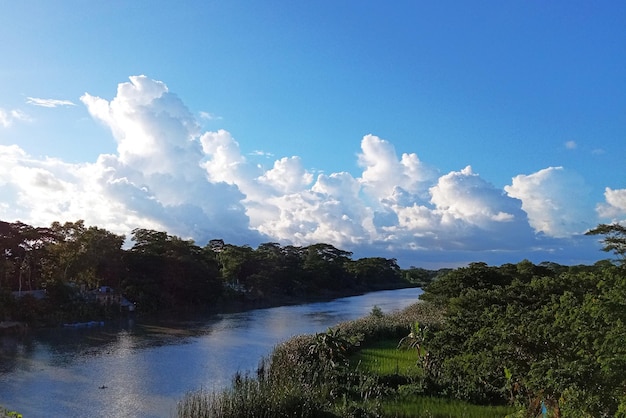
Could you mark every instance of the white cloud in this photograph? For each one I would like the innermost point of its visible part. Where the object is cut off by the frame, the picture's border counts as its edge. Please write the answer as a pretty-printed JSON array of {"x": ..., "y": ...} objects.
[
  {"x": 168, "y": 175},
  {"x": 383, "y": 171},
  {"x": 615, "y": 205},
  {"x": 287, "y": 176},
  {"x": 571, "y": 145},
  {"x": 158, "y": 171},
  {"x": 554, "y": 199},
  {"x": 7, "y": 117},
  {"x": 209, "y": 116},
  {"x": 36, "y": 101},
  {"x": 464, "y": 195},
  {"x": 260, "y": 153}
]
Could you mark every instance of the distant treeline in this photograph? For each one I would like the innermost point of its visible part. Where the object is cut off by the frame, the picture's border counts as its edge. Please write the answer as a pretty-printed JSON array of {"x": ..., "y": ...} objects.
[{"x": 164, "y": 272}]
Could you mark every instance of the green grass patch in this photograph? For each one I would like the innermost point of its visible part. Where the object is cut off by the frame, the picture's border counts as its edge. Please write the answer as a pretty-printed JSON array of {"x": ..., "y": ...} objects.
[
  {"x": 427, "y": 407},
  {"x": 383, "y": 358}
]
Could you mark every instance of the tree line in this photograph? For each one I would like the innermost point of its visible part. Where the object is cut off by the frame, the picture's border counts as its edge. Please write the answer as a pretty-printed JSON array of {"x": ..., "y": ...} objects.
[
  {"x": 539, "y": 336},
  {"x": 164, "y": 272}
]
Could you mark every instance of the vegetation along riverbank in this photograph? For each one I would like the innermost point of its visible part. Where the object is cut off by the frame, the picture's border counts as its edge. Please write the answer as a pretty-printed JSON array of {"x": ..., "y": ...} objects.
[
  {"x": 73, "y": 274},
  {"x": 518, "y": 340}
]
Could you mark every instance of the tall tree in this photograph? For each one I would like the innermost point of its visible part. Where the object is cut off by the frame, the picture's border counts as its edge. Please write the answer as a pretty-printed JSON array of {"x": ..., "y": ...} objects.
[
  {"x": 22, "y": 254},
  {"x": 167, "y": 272},
  {"x": 86, "y": 256},
  {"x": 614, "y": 239}
]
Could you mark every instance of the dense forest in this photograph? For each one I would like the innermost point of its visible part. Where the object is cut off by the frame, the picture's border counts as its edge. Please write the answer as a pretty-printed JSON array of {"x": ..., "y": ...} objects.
[{"x": 161, "y": 272}]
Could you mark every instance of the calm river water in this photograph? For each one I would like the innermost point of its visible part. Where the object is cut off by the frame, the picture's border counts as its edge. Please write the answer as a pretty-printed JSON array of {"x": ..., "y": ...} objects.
[{"x": 141, "y": 369}]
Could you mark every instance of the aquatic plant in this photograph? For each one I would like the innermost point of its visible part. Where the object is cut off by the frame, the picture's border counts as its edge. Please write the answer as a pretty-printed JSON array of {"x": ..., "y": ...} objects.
[{"x": 6, "y": 413}]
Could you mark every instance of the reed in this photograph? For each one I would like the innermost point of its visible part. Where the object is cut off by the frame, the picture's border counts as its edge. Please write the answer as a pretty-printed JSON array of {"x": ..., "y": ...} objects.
[{"x": 250, "y": 397}]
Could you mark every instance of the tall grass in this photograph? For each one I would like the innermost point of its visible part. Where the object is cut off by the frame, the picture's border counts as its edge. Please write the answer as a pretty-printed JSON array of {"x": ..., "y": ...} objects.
[
  {"x": 250, "y": 397},
  {"x": 428, "y": 407}
]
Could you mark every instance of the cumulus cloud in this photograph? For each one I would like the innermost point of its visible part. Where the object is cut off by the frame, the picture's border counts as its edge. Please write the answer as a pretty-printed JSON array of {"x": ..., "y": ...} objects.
[
  {"x": 36, "y": 101},
  {"x": 384, "y": 172},
  {"x": 166, "y": 174},
  {"x": 554, "y": 199},
  {"x": 615, "y": 206},
  {"x": 7, "y": 117}
]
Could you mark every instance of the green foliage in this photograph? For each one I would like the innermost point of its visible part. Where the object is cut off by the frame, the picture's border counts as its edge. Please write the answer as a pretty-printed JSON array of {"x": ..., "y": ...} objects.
[
  {"x": 377, "y": 312},
  {"x": 532, "y": 334},
  {"x": 421, "y": 277},
  {"x": 6, "y": 413},
  {"x": 415, "y": 340},
  {"x": 250, "y": 397},
  {"x": 410, "y": 405},
  {"x": 477, "y": 276},
  {"x": 164, "y": 272},
  {"x": 375, "y": 272},
  {"x": 309, "y": 375},
  {"x": 614, "y": 239},
  {"x": 331, "y": 348}
]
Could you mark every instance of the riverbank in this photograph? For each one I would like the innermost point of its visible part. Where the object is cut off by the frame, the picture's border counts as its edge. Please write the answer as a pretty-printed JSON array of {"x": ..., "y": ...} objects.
[
  {"x": 310, "y": 375},
  {"x": 147, "y": 365},
  {"x": 245, "y": 303}
]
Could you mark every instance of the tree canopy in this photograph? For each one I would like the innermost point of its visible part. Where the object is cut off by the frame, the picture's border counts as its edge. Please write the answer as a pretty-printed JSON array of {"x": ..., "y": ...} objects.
[
  {"x": 614, "y": 239},
  {"x": 163, "y": 272}
]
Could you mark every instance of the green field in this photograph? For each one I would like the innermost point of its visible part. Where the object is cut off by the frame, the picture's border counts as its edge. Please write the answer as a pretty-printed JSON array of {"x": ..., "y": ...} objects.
[{"x": 384, "y": 359}]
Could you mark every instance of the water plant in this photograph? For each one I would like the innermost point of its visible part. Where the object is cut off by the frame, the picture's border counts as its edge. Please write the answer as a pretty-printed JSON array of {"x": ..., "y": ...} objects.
[{"x": 6, "y": 413}]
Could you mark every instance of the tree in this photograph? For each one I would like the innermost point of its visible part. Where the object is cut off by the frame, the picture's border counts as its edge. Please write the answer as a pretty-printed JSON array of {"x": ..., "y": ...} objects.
[
  {"x": 166, "y": 272},
  {"x": 556, "y": 339},
  {"x": 326, "y": 265},
  {"x": 376, "y": 272},
  {"x": 614, "y": 239},
  {"x": 85, "y": 256},
  {"x": 23, "y": 250}
]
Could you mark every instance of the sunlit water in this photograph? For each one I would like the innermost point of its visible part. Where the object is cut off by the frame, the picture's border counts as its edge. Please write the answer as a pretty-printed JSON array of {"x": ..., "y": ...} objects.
[{"x": 143, "y": 369}]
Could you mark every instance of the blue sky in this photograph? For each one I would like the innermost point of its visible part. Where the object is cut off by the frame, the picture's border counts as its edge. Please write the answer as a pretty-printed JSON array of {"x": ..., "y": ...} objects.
[{"x": 351, "y": 123}]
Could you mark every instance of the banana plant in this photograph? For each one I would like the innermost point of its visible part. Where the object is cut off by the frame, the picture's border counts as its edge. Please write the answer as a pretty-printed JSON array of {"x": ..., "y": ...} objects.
[{"x": 415, "y": 340}]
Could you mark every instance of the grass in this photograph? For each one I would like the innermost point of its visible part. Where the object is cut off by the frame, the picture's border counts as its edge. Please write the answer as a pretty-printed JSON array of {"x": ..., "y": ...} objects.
[
  {"x": 383, "y": 358},
  {"x": 428, "y": 407}
]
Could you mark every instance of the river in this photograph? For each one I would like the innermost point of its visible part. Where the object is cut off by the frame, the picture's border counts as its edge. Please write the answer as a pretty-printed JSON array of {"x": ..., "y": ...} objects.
[{"x": 142, "y": 368}]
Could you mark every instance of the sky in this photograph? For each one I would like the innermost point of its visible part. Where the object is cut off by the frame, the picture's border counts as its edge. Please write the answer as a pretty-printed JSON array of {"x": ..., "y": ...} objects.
[{"x": 437, "y": 133}]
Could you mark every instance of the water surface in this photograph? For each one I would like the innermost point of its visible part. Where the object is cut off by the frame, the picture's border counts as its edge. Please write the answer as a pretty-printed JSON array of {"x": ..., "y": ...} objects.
[{"x": 141, "y": 369}]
